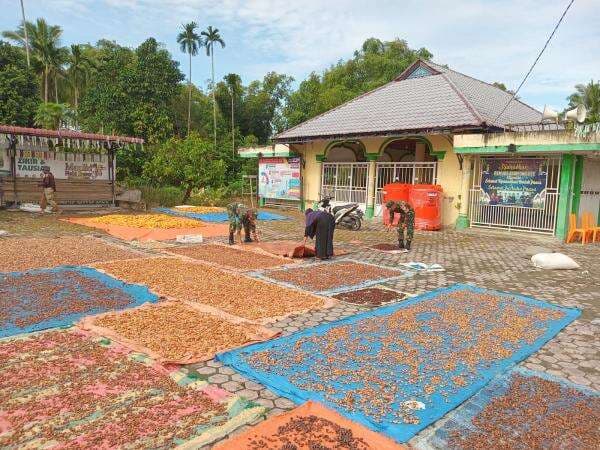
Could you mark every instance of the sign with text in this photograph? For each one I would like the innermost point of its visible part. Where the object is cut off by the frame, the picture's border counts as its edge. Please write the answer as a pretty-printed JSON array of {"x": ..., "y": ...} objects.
[
  {"x": 64, "y": 166},
  {"x": 514, "y": 182},
  {"x": 279, "y": 178}
]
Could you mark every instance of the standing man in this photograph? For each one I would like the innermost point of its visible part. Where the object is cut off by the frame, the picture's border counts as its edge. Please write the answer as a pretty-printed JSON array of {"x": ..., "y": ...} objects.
[
  {"x": 235, "y": 212},
  {"x": 48, "y": 190},
  {"x": 406, "y": 224}
]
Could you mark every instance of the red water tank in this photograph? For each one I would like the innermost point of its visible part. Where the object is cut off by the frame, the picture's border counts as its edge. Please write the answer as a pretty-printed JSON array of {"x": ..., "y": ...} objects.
[
  {"x": 426, "y": 199},
  {"x": 395, "y": 192}
]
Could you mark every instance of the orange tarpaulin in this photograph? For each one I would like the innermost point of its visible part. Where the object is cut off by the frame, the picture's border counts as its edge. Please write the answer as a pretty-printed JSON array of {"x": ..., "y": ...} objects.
[
  {"x": 306, "y": 426},
  {"x": 151, "y": 234},
  {"x": 154, "y": 318}
]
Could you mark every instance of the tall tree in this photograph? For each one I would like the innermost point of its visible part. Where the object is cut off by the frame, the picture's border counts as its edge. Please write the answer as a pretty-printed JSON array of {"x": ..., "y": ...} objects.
[
  {"x": 44, "y": 41},
  {"x": 189, "y": 42},
  {"x": 587, "y": 95},
  {"x": 211, "y": 38},
  {"x": 234, "y": 85},
  {"x": 19, "y": 88},
  {"x": 80, "y": 65}
]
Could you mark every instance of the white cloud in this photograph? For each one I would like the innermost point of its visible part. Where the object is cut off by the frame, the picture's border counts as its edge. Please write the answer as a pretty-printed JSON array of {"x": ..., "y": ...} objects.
[{"x": 493, "y": 40}]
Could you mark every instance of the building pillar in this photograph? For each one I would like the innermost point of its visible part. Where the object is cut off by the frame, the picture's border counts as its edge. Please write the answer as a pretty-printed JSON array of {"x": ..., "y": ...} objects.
[
  {"x": 371, "y": 185},
  {"x": 564, "y": 195},
  {"x": 577, "y": 183},
  {"x": 462, "y": 221},
  {"x": 320, "y": 160}
]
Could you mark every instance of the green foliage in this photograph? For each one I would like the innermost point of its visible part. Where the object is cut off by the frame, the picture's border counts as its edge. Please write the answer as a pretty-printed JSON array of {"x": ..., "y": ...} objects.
[
  {"x": 587, "y": 95},
  {"x": 374, "y": 65},
  {"x": 133, "y": 92},
  {"x": 51, "y": 115},
  {"x": 19, "y": 95},
  {"x": 219, "y": 196},
  {"x": 191, "y": 163},
  {"x": 167, "y": 196}
]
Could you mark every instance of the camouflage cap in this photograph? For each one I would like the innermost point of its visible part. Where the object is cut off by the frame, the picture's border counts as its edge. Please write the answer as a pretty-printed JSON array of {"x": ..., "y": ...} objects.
[{"x": 389, "y": 204}]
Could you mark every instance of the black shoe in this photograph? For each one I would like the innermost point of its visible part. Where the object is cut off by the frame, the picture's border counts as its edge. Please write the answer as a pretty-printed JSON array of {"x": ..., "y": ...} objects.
[
  {"x": 248, "y": 240},
  {"x": 231, "y": 240},
  {"x": 401, "y": 245},
  {"x": 407, "y": 245}
]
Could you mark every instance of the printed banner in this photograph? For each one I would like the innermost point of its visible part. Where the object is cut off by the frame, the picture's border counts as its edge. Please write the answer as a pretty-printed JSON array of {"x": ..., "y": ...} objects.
[
  {"x": 64, "y": 166},
  {"x": 279, "y": 178},
  {"x": 514, "y": 182}
]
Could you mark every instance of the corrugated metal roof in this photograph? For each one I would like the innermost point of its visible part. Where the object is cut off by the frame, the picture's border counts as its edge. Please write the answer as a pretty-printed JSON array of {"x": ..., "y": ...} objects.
[{"x": 444, "y": 100}]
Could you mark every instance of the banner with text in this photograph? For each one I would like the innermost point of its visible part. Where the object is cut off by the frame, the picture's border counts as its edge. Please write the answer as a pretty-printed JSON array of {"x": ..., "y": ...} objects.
[
  {"x": 279, "y": 178},
  {"x": 64, "y": 166},
  {"x": 514, "y": 182}
]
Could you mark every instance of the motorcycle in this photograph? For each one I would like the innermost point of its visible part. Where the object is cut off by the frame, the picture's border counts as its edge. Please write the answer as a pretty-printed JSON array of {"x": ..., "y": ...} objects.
[{"x": 347, "y": 216}]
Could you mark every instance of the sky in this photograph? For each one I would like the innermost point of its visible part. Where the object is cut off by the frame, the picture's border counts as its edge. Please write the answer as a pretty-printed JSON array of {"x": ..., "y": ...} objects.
[{"x": 493, "y": 40}]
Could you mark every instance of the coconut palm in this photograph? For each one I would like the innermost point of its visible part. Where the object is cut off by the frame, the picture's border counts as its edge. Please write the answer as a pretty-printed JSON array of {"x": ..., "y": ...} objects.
[
  {"x": 79, "y": 66},
  {"x": 587, "y": 95},
  {"x": 189, "y": 42},
  {"x": 212, "y": 37},
  {"x": 44, "y": 40}
]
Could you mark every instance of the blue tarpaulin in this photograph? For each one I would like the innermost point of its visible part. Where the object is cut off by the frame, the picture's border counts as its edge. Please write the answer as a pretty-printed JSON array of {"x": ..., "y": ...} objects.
[
  {"x": 39, "y": 299},
  {"x": 217, "y": 216},
  {"x": 464, "y": 424},
  {"x": 380, "y": 367}
]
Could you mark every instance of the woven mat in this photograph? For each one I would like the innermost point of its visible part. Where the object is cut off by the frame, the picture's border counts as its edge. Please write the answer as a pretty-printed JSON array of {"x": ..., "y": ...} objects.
[{"x": 63, "y": 388}]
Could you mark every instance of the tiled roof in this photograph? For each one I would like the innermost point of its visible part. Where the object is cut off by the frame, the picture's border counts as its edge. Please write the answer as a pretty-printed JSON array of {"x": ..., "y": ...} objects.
[
  {"x": 443, "y": 100},
  {"x": 67, "y": 134}
]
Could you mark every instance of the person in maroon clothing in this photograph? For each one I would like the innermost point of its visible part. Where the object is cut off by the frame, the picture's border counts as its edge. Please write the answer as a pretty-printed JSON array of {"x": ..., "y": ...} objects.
[{"x": 48, "y": 190}]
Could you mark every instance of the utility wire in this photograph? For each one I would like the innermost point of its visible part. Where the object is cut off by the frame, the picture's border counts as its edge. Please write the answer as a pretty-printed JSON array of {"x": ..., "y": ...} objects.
[{"x": 536, "y": 59}]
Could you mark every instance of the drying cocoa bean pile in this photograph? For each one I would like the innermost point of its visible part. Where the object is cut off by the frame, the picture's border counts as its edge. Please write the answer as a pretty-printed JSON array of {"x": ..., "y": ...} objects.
[
  {"x": 322, "y": 277},
  {"x": 236, "y": 294},
  {"x": 32, "y": 298},
  {"x": 534, "y": 413},
  {"x": 370, "y": 296},
  {"x": 19, "y": 254},
  {"x": 176, "y": 332},
  {"x": 308, "y": 433},
  {"x": 385, "y": 247},
  {"x": 62, "y": 389},
  {"x": 432, "y": 348},
  {"x": 230, "y": 257}
]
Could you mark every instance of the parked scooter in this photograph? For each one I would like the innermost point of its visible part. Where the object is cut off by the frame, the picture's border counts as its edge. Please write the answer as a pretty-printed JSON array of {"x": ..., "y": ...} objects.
[{"x": 347, "y": 216}]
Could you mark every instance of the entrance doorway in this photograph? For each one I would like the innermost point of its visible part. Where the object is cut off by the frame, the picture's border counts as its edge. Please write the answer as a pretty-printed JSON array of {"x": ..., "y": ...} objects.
[
  {"x": 406, "y": 161},
  {"x": 344, "y": 176},
  {"x": 590, "y": 188}
]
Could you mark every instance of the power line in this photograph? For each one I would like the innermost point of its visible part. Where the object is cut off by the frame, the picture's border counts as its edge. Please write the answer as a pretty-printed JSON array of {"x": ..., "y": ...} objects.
[{"x": 536, "y": 59}]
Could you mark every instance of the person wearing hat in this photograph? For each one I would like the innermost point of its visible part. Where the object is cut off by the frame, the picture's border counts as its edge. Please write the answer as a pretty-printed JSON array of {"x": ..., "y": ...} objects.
[
  {"x": 48, "y": 185},
  {"x": 406, "y": 224}
]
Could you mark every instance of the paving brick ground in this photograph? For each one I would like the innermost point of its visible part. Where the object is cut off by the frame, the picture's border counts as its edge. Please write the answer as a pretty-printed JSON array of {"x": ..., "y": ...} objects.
[{"x": 486, "y": 258}]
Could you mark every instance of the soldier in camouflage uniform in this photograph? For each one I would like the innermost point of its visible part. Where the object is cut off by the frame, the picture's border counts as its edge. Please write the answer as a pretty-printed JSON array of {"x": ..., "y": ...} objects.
[
  {"x": 406, "y": 222},
  {"x": 235, "y": 211},
  {"x": 241, "y": 217}
]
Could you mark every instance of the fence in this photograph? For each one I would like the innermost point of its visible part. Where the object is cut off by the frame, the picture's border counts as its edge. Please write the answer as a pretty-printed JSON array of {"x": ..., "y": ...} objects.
[
  {"x": 409, "y": 173},
  {"x": 541, "y": 220},
  {"x": 345, "y": 182}
]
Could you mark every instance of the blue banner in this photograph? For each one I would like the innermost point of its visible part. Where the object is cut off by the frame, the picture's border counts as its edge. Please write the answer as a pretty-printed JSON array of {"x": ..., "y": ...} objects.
[{"x": 514, "y": 182}]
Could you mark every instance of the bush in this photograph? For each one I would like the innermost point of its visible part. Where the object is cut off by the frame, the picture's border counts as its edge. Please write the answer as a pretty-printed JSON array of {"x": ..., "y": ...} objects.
[
  {"x": 167, "y": 196},
  {"x": 211, "y": 197}
]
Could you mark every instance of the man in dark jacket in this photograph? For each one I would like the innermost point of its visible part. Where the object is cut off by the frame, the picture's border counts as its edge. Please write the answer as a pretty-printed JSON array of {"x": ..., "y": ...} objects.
[{"x": 48, "y": 185}]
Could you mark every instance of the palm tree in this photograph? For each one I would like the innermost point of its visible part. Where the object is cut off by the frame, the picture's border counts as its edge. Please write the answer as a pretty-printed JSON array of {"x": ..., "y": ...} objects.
[
  {"x": 587, "y": 95},
  {"x": 50, "y": 115},
  {"x": 44, "y": 40},
  {"x": 234, "y": 84},
  {"x": 189, "y": 42},
  {"x": 211, "y": 37},
  {"x": 80, "y": 65}
]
